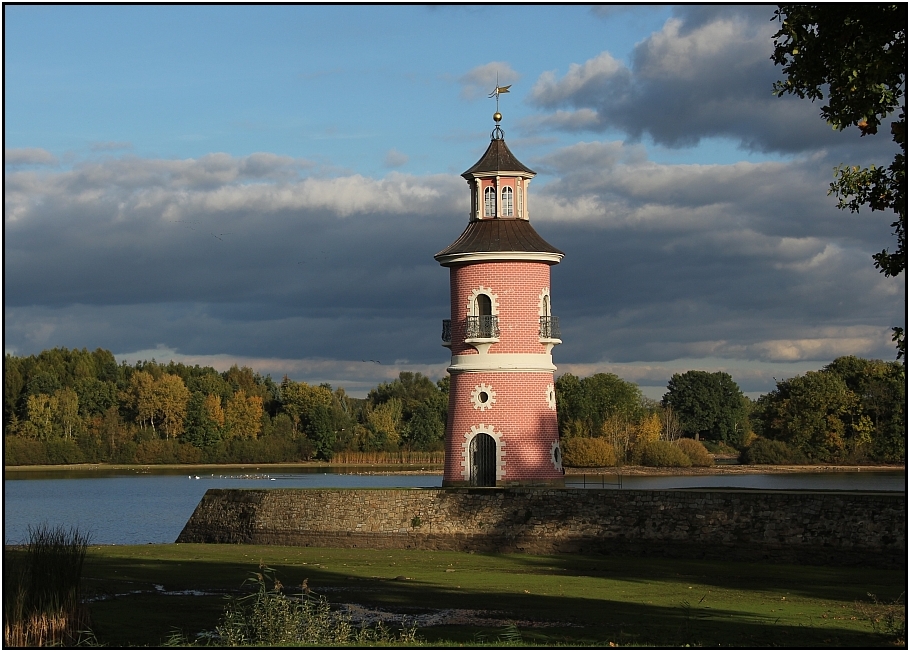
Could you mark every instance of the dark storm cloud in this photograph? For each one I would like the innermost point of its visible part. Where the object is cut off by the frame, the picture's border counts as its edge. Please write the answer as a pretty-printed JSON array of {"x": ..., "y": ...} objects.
[
  {"x": 706, "y": 74},
  {"x": 266, "y": 260},
  {"x": 228, "y": 254},
  {"x": 749, "y": 261}
]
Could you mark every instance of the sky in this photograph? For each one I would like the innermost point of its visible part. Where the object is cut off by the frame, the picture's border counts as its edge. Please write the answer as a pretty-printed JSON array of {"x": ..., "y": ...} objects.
[{"x": 267, "y": 186}]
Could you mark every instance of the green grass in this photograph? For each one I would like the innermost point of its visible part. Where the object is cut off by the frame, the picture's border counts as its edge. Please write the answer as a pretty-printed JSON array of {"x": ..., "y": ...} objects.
[{"x": 591, "y": 600}]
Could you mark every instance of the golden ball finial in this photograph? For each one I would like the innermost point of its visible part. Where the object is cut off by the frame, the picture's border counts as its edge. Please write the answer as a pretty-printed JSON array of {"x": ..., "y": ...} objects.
[{"x": 497, "y": 116}]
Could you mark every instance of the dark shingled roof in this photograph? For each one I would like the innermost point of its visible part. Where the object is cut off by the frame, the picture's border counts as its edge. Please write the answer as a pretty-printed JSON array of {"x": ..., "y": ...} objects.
[
  {"x": 483, "y": 236},
  {"x": 497, "y": 158}
]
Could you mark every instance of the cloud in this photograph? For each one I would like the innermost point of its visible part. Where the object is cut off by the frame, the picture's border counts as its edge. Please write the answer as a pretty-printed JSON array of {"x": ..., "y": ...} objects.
[
  {"x": 28, "y": 156},
  {"x": 480, "y": 81},
  {"x": 395, "y": 159},
  {"x": 706, "y": 74},
  {"x": 272, "y": 260}
]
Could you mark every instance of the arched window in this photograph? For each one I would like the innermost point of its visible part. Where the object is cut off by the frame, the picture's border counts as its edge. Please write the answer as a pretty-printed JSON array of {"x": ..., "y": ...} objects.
[
  {"x": 507, "y": 201},
  {"x": 546, "y": 306},
  {"x": 483, "y": 306},
  {"x": 519, "y": 201},
  {"x": 489, "y": 202}
]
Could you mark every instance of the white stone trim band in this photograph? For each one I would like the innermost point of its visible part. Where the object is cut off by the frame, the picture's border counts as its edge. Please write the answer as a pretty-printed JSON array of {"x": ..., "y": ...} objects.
[
  {"x": 479, "y": 257},
  {"x": 522, "y": 362}
]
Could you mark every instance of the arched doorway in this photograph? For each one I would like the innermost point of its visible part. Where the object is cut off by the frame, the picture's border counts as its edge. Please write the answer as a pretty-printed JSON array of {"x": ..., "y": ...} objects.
[{"x": 483, "y": 461}]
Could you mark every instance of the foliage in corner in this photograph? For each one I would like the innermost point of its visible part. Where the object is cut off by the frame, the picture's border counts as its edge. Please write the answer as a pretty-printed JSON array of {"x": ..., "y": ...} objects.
[{"x": 857, "y": 54}]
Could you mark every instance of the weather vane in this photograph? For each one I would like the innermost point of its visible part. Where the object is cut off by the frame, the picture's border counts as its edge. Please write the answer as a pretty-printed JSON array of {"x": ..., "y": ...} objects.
[
  {"x": 496, "y": 93},
  {"x": 497, "y": 117}
]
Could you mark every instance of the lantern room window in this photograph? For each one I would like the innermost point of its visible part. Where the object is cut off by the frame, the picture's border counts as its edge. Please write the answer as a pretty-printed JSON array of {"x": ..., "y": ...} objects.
[
  {"x": 507, "y": 201},
  {"x": 489, "y": 202},
  {"x": 519, "y": 198}
]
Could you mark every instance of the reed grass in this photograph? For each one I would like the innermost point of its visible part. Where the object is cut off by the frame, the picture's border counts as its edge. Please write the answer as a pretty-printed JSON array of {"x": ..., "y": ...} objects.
[
  {"x": 42, "y": 604},
  {"x": 383, "y": 457}
]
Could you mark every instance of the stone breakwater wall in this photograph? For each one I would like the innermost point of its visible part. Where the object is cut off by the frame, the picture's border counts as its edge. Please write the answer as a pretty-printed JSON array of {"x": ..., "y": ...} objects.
[{"x": 836, "y": 528}]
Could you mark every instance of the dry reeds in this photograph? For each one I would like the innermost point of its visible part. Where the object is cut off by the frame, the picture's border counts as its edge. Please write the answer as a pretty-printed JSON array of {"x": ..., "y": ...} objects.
[
  {"x": 383, "y": 457},
  {"x": 42, "y": 605}
]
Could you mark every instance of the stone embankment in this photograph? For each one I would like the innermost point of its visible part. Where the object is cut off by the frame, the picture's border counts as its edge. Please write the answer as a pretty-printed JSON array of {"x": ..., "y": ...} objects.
[{"x": 837, "y": 528}]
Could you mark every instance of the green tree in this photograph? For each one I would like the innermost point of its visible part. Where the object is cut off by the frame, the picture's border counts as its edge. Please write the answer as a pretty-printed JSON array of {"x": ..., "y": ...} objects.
[
  {"x": 41, "y": 409},
  {"x": 426, "y": 429},
  {"x": 170, "y": 397},
  {"x": 881, "y": 389},
  {"x": 95, "y": 395},
  {"x": 298, "y": 400},
  {"x": 204, "y": 420},
  {"x": 816, "y": 414},
  {"x": 708, "y": 405},
  {"x": 856, "y": 53},
  {"x": 13, "y": 386},
  {"x": 67, "y": 412},
  {"x": 320, "y": 431},
  {"x": 243, "y": 416},
  {"x": 594, "y": 400},
  {"x": 139, "y": 397}
]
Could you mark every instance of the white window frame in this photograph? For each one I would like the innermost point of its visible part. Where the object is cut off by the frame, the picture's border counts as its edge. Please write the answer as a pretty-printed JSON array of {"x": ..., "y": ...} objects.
[
  {"x": 507, "y": 206},
  {"x": 489, "y": 201}
]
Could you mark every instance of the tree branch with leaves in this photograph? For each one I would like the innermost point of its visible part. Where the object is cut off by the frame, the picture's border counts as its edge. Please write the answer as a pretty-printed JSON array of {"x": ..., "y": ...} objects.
[{"x": 854, "y": 57}]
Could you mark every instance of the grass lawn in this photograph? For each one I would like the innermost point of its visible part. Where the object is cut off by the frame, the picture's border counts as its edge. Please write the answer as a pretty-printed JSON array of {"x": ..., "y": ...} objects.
[{"x": 554, "y": 599}]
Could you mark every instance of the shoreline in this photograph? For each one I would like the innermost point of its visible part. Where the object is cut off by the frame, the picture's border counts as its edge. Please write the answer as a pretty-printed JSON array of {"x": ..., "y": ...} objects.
[{"x": 433, "y": 469}]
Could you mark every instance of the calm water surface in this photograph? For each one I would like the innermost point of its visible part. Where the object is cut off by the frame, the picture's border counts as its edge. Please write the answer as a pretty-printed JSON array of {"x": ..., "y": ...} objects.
[{"x": 129, "y": 507}]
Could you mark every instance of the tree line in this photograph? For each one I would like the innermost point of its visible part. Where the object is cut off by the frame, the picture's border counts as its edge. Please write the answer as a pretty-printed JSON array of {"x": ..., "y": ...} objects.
[
  {"x": 70, "y": 406},
  {"x": 851, "y": 411}
]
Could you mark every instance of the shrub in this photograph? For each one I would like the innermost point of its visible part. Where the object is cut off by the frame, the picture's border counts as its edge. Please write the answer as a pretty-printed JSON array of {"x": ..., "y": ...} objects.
[
  {"x": 663, "y": 453},
  {"x": 268, "y": 617},
  {"x": 771, "y": 451},
  {"x": 587, "y": 451},
  {"x": 63, "y": 451},
  {"x": 719, "y": 447},
  {"x": 695, "y": 451},
  {"x": 19, "y": 451}
]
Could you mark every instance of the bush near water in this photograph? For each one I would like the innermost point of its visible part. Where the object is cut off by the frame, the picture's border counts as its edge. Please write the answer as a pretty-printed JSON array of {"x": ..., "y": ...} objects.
[{"x": 72, "y": 406}]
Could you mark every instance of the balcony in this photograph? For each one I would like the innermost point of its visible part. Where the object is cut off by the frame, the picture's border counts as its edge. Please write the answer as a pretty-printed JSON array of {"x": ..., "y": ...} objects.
[
  {"x": 447, "y": 332},
  {"x": 482, "y": 327},
  {"x": 549, "y": 328},
  {"x": 481, "y": 332},
  {"x": 549, "y": 332}
]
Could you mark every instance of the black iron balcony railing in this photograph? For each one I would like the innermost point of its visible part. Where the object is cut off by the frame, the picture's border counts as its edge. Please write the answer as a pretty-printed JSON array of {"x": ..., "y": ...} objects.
[
  {"x": 447, "y": 331},
  {"x": 482, "y": 327},
  {"x": 549, "y": 328}
]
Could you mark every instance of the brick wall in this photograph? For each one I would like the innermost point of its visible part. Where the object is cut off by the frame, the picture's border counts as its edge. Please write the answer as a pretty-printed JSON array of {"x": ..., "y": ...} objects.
[
  {"x": 517, "y": 287},
  {"x": 520, "y": 419},
  {"x": 787, "y": 527}
]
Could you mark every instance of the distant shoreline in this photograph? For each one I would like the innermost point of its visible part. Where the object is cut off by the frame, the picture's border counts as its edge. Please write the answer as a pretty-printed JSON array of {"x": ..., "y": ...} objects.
[{"x": 434, "y": 469}]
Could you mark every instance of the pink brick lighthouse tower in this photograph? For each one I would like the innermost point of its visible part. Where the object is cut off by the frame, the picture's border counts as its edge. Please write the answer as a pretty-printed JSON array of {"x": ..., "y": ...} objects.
[{"x": 501, "y": 429}]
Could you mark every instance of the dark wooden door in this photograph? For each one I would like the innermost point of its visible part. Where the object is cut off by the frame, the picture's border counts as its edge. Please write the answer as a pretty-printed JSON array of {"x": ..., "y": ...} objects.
[{"x": 483, "y": 461}]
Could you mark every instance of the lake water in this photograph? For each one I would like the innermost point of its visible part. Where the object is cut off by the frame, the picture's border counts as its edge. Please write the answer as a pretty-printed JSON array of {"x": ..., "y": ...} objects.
[{"x": 130, "y": 507}]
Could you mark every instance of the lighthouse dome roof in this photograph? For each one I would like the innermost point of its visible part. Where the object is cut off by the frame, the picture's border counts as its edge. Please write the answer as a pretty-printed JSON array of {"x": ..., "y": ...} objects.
[
  {"x": 499, "y": 239},
  {"x": 497, "y": 158}
]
